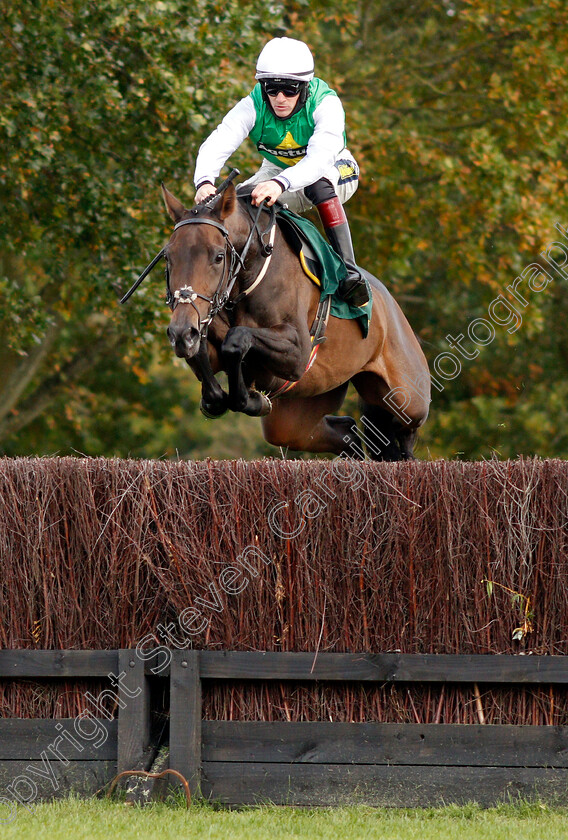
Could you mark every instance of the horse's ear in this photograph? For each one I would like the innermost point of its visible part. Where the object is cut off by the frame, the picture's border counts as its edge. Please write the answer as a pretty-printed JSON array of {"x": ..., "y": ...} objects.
[
  {"x": 174, "y": 207},
  {"x": 228, "y": 202}
]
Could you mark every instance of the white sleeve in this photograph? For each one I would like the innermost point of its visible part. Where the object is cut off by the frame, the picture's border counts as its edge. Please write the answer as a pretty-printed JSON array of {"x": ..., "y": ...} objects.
[
  {"x": 221, "y": 143},
  {"x": 324, "y": 146}
]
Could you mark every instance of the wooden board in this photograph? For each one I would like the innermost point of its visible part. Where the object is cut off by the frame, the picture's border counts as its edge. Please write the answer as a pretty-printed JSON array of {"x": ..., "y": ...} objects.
[
  {"x": 185, "y": 717},
  {"x": 84, "y": 777},
  {"x": 383, "y": 667},
  {"x": 38, "y": 664},
  {"x": 385, "y": 743},
  {"x": 408, "y": 787},
  {"x": 27, "y": 739},
  {"x": 134, "y": 714}
]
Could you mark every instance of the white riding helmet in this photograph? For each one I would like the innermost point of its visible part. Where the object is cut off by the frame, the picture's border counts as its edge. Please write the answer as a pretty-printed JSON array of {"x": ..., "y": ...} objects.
[{"x": 285, "y": 58}]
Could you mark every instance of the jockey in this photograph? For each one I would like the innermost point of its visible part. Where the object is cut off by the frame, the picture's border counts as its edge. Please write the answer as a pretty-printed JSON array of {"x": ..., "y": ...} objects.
[{"x": 298, "y": 125}]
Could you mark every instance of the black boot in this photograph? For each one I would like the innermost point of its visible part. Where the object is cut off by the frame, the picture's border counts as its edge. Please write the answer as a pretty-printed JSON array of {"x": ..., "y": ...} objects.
[{"x": 354, "y": 288}]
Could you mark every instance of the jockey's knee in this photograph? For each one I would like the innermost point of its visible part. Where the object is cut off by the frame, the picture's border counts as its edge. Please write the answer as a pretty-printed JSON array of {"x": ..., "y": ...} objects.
[{"x": 320, "y": 191}]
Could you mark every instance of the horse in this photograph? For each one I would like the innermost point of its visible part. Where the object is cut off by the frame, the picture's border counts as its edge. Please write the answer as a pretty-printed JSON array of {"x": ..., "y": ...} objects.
[{"x": 244, "y": 306}]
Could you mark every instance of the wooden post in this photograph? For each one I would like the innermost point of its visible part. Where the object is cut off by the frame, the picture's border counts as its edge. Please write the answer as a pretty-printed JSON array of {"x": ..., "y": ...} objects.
[
  {"x": 134, "y": 719},
  {"x": 185, "y": 716}
]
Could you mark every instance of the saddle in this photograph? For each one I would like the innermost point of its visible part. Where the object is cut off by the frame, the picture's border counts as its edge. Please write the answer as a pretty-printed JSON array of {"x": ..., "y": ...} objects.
[
  {"x": 318, "y": 259},
  {"x": 310, "y": 247},
  {"x": 321, "y": 264}
]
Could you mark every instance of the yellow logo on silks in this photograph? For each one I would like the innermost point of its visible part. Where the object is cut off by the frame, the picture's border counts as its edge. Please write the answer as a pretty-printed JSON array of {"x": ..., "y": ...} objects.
[
  {"x": 346, "y": 170},
  {"x": 287, "y": 145},
  {"x": 287, "y": 151}
]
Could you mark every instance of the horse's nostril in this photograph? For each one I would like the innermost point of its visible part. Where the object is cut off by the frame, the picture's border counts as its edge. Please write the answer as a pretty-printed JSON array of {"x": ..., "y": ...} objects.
[
  {"x": 184, "y": 339},
  {"x": 192, "y": 336}
]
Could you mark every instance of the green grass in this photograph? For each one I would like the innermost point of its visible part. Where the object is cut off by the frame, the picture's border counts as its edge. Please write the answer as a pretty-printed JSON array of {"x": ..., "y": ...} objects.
[{"x": 74, "y": 819}]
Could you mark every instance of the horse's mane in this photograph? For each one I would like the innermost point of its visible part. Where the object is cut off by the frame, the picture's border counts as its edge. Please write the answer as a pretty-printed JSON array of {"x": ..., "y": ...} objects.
[{"x": 209, "y": 206}]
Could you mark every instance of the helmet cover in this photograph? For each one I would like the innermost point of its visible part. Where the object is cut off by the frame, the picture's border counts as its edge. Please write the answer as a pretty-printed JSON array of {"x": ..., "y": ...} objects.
[{"x": 285, "y": 58}]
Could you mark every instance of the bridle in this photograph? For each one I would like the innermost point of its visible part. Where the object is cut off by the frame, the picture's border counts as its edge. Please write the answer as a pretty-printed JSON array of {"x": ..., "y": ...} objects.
[
  {"x": 233, "y": 263},
  {"x": 220, "y": 297}
]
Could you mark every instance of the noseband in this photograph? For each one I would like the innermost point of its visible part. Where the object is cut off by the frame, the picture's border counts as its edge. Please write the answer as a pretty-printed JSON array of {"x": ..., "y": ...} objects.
[
  {"x": 220, "y": 297},
  {"x": 232, "y": 267}
]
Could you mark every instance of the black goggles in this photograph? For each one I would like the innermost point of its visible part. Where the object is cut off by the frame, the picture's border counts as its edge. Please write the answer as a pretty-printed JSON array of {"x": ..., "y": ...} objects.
[{"x": 289, "y": 89}]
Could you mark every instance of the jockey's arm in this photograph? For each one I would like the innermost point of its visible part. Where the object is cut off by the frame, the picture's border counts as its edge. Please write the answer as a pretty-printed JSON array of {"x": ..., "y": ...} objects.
[
  {"x": 324, "y": 146},
  {"x": 221, "y": 143}
]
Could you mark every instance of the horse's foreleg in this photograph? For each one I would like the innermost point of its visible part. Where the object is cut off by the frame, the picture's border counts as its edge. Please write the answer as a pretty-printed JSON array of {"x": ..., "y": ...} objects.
[
  {"x": 279, "y": 349},
  {"x": 214, "y": 401}
]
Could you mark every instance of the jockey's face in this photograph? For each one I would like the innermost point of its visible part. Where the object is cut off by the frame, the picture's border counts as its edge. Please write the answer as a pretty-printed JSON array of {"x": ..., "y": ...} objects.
[{"x": 283, "y": 105}]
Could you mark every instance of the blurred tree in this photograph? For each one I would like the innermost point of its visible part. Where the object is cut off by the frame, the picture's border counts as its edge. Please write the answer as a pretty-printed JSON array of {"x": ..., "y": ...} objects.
[
  {"x": 100, "y": 102},
  {"x": 457, "y": 114}
]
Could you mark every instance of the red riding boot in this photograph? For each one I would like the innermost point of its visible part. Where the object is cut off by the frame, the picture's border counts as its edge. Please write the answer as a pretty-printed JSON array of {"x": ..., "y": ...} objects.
[{"x": 354, "y": 288}]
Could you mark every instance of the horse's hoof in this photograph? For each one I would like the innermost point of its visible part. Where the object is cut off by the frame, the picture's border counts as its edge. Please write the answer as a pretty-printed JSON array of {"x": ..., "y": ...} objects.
[
  {"x": 207, "y": 411},
  {"x": 265, "y": 405},
  {"x": 256, "y": 405}
]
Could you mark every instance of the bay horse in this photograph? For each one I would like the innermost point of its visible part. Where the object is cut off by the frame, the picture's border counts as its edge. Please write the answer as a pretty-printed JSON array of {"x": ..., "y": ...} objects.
[{"x": 227, "y": 317}]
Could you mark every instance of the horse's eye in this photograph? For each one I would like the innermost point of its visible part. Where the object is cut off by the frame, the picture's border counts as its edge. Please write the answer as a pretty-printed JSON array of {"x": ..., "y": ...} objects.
[{"x": 219, "y": 258}]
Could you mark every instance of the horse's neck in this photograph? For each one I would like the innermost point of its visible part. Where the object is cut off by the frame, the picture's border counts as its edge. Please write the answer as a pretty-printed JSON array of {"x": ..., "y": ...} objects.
[
  {"x": 284, "y": 289},
  {"x": 258, "y": 228}
]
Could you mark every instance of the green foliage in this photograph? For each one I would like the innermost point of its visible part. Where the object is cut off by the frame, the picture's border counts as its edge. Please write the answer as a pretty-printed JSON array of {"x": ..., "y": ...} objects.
[
  {"x": 100, "y": 102},
  {"x": 456, "y": 112}
]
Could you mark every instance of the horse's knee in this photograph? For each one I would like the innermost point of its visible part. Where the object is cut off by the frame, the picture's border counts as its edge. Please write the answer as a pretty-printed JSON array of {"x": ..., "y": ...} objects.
[{"x": 236, "y": 344}]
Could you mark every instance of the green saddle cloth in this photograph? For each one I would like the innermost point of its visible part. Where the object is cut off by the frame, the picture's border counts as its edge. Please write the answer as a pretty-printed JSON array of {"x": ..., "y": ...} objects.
[{"x": 326, "y": 264}]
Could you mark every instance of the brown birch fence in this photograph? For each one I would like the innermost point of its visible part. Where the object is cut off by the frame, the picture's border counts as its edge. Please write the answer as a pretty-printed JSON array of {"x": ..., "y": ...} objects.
[{"x": 342, "y": 557}]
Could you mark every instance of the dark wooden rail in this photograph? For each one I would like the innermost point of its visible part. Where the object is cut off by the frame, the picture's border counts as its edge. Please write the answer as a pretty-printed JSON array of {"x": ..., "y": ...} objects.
[
  {"x": 25, "y": 744},
  {"x": 382, "y": 667},
  {"x": 298, "y": 763},
  {"x": 384, "y": 764}
]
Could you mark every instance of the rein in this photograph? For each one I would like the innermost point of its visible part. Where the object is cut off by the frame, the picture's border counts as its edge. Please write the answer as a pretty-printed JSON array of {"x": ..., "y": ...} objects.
[{"x": 233, "y": 265}]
